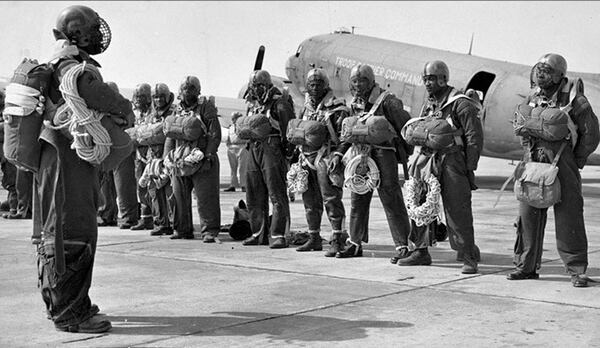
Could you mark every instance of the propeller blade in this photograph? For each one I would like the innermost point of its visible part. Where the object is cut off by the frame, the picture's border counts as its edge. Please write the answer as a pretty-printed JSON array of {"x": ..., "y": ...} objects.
[{"x": 259, "y": 58}]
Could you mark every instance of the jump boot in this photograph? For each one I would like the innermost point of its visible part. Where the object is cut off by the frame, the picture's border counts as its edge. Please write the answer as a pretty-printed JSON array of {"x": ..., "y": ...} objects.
[
  {"x": 336, "y": 244},
  {"x": 314, "y": 242}
]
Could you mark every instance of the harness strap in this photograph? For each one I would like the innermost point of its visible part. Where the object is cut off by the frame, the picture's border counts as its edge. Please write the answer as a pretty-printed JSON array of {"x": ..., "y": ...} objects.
[{"x": 378, "y": 102}]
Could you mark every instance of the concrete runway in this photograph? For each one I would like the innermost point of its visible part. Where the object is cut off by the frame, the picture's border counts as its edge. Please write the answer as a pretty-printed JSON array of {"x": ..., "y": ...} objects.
[{"x": 183, "y": 293}]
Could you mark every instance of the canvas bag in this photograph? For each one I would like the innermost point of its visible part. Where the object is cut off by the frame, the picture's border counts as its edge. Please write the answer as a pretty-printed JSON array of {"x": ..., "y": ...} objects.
[{"x": 536, "y": 183}]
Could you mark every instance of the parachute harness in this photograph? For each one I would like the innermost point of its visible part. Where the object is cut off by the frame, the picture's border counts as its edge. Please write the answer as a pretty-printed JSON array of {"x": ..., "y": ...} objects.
[
  {"x": 91, "y": 140},
  {"x": 361, "y": 173}
]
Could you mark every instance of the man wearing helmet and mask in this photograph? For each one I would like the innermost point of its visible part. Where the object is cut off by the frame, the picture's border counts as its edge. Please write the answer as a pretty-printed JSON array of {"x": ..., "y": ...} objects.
[
  {"x": 322, "y": 106},
  {"x": 200, "y": 175},
  {"x": 553, "y": 90},
  {"x": 142, "y": 107},
  {"x": 266, "y": 173},
  {"x": 453, "y": 166},
  {"x": 68, "y": 186},
  {"x": 162, "y": 106},
  {"x": 367, "y": 94}
]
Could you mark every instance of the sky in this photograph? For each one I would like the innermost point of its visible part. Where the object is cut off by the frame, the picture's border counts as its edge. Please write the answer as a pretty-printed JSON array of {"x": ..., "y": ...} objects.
[{"x": 156, "y": 41}]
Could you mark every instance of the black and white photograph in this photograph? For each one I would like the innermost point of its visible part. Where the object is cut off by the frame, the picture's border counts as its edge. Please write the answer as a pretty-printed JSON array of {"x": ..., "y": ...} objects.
[{"x": 300, "y": 174}]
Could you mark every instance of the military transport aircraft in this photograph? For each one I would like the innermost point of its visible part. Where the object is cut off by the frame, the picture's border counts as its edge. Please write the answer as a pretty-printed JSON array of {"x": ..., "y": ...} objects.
[{"x": 398, "y": 67}]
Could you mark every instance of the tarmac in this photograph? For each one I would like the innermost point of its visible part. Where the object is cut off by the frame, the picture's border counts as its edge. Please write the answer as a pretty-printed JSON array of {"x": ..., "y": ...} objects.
[{"x": 184, "y": 293}]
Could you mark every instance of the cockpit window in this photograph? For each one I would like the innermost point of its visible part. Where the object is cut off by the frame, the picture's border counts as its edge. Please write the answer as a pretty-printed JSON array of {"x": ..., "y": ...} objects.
[{"x": 298, "y": 51}]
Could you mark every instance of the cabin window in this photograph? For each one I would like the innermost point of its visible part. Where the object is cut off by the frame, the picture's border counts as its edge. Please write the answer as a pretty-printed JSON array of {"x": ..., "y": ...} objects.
[{"x": 298, "y": 51}]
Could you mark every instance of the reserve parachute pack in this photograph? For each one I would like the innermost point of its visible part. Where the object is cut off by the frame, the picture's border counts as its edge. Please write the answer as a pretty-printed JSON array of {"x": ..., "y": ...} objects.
[
  {"x": 434, "y": 132},
  {"x": 368, "y": 128},
  {"x": 550, "y": 124},
  {"x": 188, "y": 128},
  {"x": 149, "y": 134},
  {"x": 255, "y": 127},
  {"x": 23, "y": 120},
  {"x": 307, "y": 132}
]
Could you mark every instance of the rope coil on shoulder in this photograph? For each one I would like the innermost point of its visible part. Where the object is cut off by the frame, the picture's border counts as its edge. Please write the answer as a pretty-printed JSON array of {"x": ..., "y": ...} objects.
[{"x": 91, "y": 140}]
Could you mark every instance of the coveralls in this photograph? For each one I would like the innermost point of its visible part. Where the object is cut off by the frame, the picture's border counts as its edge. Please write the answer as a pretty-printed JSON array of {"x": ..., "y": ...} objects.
[
  {"x": 386, "y": 157},
  {"x": 9, "y": 183},
  {"x": 266, "y": 175},
  {"x": 202, "y": 177},
  {"x": 108, "y": 210},
  {"x": 140, "y": 164},
  {"x": 237, "y": 154},
  {"x": 454, "y": 169},
  {"x": 330, "y": 111},
  {"x": 571, "y": 239},
  {"x": 67, "y": 194},
  {"x": 158, "y": 196}
]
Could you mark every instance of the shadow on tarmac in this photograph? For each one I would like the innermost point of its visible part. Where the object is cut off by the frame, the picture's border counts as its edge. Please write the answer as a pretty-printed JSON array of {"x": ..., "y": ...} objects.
[{"x": 250, "y": 324}]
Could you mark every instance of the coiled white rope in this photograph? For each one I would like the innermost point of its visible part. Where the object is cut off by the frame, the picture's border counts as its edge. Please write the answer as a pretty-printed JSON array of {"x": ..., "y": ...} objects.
[
  {"x": 297, "y": 178},
  {"x": 361, "y": 173},
  {"x": 429, "y": 211},
  {"x": 91, "y": 140}
]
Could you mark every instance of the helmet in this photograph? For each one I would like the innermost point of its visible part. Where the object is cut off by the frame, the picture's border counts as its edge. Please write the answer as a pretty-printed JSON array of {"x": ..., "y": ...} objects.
[
  {"x": 161, "y": 89},
  {"x": 363, "y": 70},
  {"x": 85, "y": 28},
  {"x": 190, "y": 81},
  {"x": 143, "y": 89},
  {"x": 260, "y": 77},
  {"x": 437, "y": 68},
  {"x": 113, "y": 86},
  {"x": 557, "y": 63},
  {"x": 317, "y": 74}
]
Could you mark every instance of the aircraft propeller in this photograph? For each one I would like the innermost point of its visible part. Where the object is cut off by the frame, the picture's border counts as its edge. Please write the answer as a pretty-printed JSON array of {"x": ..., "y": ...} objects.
[{"x": 259, "y": 58}]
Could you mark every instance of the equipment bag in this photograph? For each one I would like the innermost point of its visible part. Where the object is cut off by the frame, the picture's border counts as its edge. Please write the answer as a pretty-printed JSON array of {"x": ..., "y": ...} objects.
[
  {"x": 536, "y": 183},
  {"x": 306, "y": 132},
  {"x": 433, "y": 133},
  {"x": 256, "y": 127},
  {"x": 550, "y": 124},
  {"x": 188, "y": 128},
  {"x": 150, "y": 134},
  {"x": 23, "y": 123}
]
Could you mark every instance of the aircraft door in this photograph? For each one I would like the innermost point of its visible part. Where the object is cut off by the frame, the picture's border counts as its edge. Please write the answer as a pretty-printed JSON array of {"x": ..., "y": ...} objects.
[
  {"x": 499, "y": 104},
  {"x": 480, "y": 83}
]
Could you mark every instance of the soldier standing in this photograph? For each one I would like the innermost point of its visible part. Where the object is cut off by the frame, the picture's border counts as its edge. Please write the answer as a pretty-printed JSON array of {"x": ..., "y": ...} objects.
[
  {"x": 322, "y": 106},
  {"x": 554, "y": 90},
  {"x": 367, "y": 94},
  {"x": 266, "y": 175},
  {"x": 68, "y": 186},
  {"x": 202, "y": 176},
  {"x": 453, "y": 166}
]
